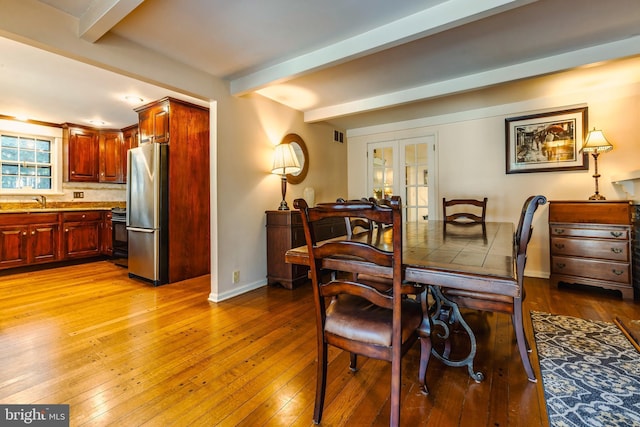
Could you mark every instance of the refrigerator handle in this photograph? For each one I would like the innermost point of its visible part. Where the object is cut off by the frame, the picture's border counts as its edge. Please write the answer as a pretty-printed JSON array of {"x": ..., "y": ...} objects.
[{"x": 141, "y": 230}]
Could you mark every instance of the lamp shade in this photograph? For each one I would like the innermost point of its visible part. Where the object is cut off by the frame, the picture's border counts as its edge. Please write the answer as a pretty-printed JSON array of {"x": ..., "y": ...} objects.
[
  {"x": 285, "y": 160},
  {"x": 596, "y": 142}
]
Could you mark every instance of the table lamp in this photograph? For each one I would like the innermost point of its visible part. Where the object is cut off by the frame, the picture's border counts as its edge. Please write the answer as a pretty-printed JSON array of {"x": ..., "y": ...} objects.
[
  {"x": 595, "y": 144},
  {"x": 285, "y": 162}
]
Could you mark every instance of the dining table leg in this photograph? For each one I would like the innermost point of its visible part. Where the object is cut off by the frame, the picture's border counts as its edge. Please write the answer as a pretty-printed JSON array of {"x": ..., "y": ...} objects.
[{"x": 442, "y": 304}]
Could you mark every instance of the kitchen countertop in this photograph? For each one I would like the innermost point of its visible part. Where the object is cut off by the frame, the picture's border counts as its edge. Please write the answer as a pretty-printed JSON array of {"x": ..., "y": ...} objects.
[{"x": 58, "y": 207}]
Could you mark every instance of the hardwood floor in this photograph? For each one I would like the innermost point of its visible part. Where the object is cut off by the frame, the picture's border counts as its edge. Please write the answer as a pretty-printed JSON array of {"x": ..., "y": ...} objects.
[{"x": 121, "y": 352}]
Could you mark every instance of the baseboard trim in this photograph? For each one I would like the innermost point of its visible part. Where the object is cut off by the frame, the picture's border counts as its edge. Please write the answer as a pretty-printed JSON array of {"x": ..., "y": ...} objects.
[{"x": 214, "y": 297}]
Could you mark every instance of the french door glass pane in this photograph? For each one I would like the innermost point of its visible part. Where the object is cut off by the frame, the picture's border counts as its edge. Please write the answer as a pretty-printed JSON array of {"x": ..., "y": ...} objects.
[
  {"x": 382, "y": 172},
  {"x": 416, "y": 181}
]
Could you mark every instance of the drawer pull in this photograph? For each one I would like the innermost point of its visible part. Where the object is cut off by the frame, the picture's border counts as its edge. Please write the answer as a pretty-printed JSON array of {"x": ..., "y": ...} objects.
[
  {"x": 616, "y": 233},
  {"x": 617, "y": 272},
  {"x": 559, "y": 245},
  {"x": 561, "y": 265},
  {"x": 616, "y": 250},
  {"x": 558, "y": 230}
]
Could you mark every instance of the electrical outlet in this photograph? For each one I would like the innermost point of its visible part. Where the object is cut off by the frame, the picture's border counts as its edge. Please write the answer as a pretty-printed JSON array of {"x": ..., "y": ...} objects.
[
  {"x": 236, "y": 276},
  {"x": 78, "y": 194}
]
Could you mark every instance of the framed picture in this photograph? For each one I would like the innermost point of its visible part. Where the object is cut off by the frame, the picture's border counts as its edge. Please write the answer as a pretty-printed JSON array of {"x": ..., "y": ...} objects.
[{"x": 547, "y": 142}]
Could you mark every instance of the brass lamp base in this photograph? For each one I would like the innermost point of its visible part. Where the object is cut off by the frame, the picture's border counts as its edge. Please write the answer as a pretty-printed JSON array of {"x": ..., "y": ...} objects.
[
  {"x": 283, "y": 203},
  {"x": 597, "y": 196},
  {"x": 283, "y": 206}
]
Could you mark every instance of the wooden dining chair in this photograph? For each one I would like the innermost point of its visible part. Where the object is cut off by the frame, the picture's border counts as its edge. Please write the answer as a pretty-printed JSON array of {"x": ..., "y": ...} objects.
[
  {"x": 351, "y": 314},
  {"x": 464, "y": 211},
  {"x": 511, "y": 303},
  {"x": 356, "y": 224}
]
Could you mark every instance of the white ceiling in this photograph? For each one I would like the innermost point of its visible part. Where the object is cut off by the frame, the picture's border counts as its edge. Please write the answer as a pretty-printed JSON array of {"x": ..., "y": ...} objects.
[{"x": 350, "y": 62}]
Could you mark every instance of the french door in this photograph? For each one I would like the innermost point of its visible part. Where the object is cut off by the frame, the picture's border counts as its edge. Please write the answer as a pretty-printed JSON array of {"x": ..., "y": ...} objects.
[{"x": 405, "y": 167}]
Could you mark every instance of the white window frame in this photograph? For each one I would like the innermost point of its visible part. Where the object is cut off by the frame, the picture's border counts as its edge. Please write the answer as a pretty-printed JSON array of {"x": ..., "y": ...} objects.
[
  {"x": 399, "y": 178},
  {"x": 30, "y": 130}
]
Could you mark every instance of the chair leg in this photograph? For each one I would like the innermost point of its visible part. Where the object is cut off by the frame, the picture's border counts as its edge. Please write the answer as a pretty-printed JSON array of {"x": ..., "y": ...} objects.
[
  {"x": 353, "y": 365},
  {"x": 396, "y": 384},
  {"x": 521, "y": 339},
  {"x": 321, "y": 382}
]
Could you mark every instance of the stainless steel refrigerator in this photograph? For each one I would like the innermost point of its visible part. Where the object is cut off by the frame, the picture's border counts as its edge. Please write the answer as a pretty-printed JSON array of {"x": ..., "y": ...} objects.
[{"x": 147, "y": 212}]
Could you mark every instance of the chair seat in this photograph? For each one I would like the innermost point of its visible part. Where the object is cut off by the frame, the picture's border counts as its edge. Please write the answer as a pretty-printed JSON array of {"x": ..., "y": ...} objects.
[{"x": 357, "y": 319}]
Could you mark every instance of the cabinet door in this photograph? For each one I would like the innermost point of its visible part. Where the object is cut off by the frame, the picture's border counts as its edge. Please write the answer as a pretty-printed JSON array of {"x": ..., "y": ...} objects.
[
  {"x": 13, "y": 246},
  {"x": 129, "y": 141},
  {"x": 111, "y": 157},
  {"x": 154, "y": 124},
  {"x": 44, "y": 240},
  {"x": 81, "y": 239},
  {"x": 107, "y": 235},
  {"x": 83, "y": 155}
]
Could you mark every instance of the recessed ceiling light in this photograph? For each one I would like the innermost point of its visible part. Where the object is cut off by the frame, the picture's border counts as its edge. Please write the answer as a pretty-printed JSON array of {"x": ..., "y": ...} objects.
[
  {"x": 133, "y": 99},
  {"x": 97, "y": 122}
]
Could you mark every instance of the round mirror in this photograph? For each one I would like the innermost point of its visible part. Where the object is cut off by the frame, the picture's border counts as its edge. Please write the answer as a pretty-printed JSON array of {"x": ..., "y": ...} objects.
[{"x": 300, "y": 149}]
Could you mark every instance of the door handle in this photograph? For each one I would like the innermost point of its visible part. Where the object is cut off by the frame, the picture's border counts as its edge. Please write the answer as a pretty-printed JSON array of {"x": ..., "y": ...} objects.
[{"x": 141, "y": 230}]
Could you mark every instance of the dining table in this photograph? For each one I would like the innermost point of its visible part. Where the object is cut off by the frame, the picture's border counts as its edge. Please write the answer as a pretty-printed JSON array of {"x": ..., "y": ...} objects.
[{"x": 478, "y": 257}]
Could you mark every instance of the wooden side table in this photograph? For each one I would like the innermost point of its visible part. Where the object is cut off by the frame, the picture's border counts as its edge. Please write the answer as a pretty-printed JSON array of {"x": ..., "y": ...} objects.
[
  {"x": 590, "y": 244},
  {"x": 285, "y": 231}
]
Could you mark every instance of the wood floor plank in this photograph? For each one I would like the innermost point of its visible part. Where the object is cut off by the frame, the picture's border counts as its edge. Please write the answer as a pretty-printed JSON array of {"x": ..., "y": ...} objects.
[{"x": 121, "y": 352}]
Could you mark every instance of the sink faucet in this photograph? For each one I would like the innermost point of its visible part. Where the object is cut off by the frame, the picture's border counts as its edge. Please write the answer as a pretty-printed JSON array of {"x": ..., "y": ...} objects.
[{"x": 42, "y": 200}]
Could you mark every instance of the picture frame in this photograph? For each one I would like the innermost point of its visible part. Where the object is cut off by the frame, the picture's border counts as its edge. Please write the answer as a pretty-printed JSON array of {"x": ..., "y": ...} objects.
[{"x": 547, "y": 142}]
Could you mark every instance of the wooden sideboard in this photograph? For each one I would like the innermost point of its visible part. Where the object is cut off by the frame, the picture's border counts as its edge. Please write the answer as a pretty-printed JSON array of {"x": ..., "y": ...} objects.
[
  {"x": 285, "y": 231},
  {"x": 590, "y": 244}
]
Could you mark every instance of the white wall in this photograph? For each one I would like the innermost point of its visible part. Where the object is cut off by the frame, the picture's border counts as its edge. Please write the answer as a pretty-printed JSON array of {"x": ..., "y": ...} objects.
[
  {"x": 471, "y": 158},
  {"x": 248, "y": 130}
]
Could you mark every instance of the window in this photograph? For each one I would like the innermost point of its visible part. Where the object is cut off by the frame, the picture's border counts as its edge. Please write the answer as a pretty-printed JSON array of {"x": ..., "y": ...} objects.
[
  {"x": 30, "y": 158},
  {"x": 25, "y": 162}
]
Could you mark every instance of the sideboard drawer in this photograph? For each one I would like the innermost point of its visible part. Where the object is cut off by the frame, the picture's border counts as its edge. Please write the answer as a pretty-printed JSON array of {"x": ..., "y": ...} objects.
[
  {"x": 593, "y": 269},
  {"x": 621, "y": 233},
  {"x": 615, "y": 250}
]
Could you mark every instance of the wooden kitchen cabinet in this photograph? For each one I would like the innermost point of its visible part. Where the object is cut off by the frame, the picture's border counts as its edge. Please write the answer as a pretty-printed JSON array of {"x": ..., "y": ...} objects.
[
  {"x": 81, "y": 234},
  {"x": 153, "y": 122},
  {"x": 106, "y": 237},
  {"x": 130, "y": 137},
  {"x": 83, "y": 151},
  {"x": 590, "y": 244},
  {"x": 285, "y": 231},
  {"x": 95, "y": 155},
  {"x": 44, "y": 244},
  {"x": 185, "y": 128},
  {"x": 29, "y": 238},
  {"x": 110, "y": 157}
]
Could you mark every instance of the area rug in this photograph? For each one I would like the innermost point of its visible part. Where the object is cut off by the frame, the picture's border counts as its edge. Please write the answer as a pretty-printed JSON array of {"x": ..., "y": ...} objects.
[{"x": 590, "y": 372}]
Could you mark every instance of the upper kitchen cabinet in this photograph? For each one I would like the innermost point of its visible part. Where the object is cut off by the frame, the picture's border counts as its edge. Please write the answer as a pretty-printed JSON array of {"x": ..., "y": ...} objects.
[
  {"x": 154, "y": 122},
  {"x": 111, "y": 160},
  {"x": 130, "y": 138},
  {"x": 185, "y": 127},
  {"x": 83, "y": 154},
  {"x": 95, "y": 155}
]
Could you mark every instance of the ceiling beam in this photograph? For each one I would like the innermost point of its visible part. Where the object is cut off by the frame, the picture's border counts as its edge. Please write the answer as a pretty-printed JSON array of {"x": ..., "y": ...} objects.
[
  {"x": 102, "y": 16},
  {"x": 443, "y": 16},
  {"x": 604, "y": 52}
]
